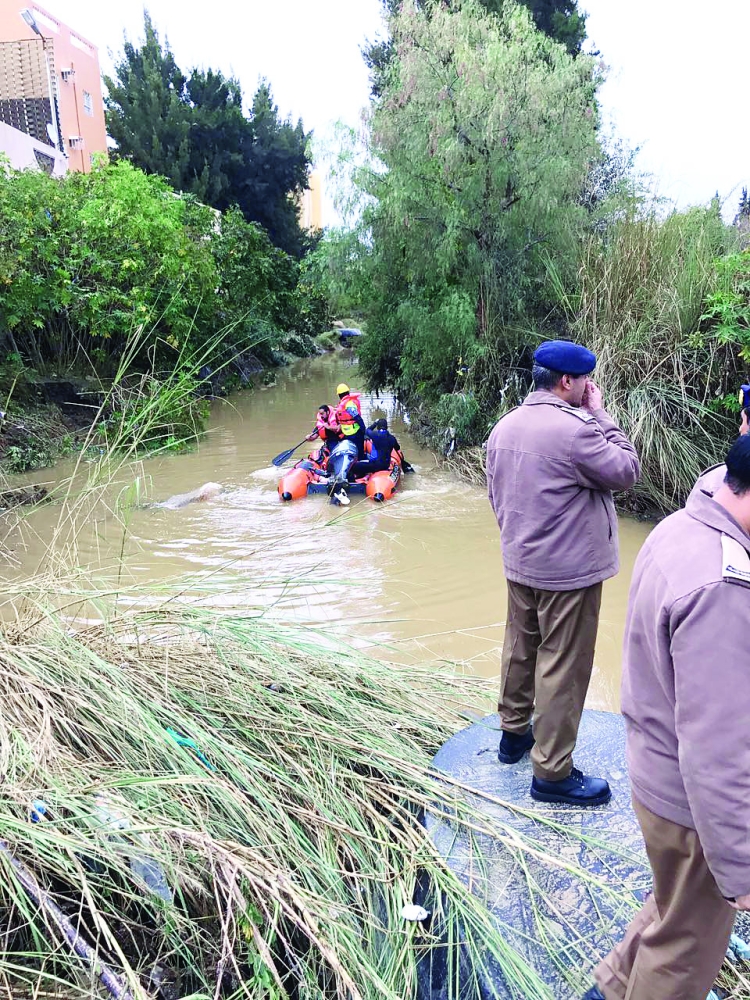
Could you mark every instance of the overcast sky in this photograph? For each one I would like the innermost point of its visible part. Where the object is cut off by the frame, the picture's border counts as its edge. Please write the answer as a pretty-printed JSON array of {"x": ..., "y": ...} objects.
[{"x": 677, "y": 70}]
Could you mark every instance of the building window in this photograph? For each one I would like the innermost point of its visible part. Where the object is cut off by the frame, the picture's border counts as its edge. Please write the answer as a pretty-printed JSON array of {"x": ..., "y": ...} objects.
[
  {"x": 88, "y": 104},
  {"x": 81, "y": 44},
  {"x": 46, "y": 20},
  {"x": 45, "y": 162}
]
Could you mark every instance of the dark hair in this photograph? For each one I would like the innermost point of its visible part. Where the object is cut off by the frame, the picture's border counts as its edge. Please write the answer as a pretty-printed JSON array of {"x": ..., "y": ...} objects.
[
  {"x": 545, "y": 378},
  {"x": 325, "y": 406},
  {"x": 746, "y": 411},
  {"x": 380, "y": 425},
  {"x": 738, "y": 466}
]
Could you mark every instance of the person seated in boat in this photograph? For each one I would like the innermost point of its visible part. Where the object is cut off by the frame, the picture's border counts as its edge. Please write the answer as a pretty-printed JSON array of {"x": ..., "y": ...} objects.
[
  {"x": 348, "y": 415},
  {"x": 326, "y": 429},
  {"x": 382, "y": 446}
]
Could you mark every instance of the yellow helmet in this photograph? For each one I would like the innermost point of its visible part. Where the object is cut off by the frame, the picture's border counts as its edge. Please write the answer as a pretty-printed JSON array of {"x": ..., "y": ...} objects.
[{"x": 342, "y": 389}]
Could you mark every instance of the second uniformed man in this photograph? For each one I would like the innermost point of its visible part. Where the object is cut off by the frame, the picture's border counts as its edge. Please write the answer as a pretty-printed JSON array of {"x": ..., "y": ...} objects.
[{"x": 552, "y": 464}]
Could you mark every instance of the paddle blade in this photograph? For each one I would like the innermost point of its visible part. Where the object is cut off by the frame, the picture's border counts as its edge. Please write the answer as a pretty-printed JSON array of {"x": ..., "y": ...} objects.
[{"x": 280, "y": 459}]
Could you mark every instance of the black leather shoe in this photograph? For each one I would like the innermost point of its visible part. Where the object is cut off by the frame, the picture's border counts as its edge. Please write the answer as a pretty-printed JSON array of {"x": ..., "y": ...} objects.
[
  {"x": 575, "y": 790},
  {"x": 594, "y": 994},
  {"x": 513, "y": 746}
]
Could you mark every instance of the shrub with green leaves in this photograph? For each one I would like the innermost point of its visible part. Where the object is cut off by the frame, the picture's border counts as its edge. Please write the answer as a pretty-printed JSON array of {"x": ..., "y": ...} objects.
[
  {"x": 727, "y": 308},
  {"x": 84, "y": 259},
  {"x": 87, "y": 259}
]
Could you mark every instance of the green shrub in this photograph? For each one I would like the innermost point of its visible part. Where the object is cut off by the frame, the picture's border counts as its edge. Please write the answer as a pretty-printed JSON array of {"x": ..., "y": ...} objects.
[
  {"x": 16, "y": 382},
  {"x": 301, "y": 345},
  {"x": 86, "y": 259},
  {"x": 27, "y": 458},
  {"x": 83, "y": 258},
  {"x": 727, "y": 309},
  {"x": 329, "y": 340},
  {"x": 256, "y": 294}
]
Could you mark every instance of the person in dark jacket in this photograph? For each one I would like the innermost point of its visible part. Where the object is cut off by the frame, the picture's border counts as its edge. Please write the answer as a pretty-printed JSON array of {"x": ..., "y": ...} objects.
[
  {"x": 383, "y": 444},
  {"x": 713, "y": 479}
]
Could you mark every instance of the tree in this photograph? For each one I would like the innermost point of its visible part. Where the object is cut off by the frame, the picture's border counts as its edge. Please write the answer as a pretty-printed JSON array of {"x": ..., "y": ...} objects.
[
  {"x": 193, "y": 131},
  {"x": 485, "y": 134},
  {"x": 275, "y": 172},
  {"x": 560, "y": 19},
  {"x": 146, "y": 109},
  {"x": 743, "y": 209}
]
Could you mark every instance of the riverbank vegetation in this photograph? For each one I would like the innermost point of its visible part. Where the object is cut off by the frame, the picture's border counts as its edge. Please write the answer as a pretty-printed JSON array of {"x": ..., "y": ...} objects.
[
  {"x": 115, "y": 265},
  {"x": 188, "y": 243},
  {"x": 201, "y": 802},
  {"x": 495, "y": 215}
]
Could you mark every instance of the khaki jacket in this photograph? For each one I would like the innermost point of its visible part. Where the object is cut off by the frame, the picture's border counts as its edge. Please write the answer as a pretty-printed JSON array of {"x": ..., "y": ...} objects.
[
  {"x": 710, "y": 481},
  {"x": 551, "y": 469},
  {"x": 685, "y": 688}
]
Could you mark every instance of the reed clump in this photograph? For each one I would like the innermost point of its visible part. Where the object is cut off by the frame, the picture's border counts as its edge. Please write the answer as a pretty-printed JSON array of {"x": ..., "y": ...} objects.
[
  {"x": 221, "y": 807},
  {"x": 663, "y": 371}
]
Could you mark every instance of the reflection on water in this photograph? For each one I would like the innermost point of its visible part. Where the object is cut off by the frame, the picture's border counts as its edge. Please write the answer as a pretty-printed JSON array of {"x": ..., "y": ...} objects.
[{"x": 419, "y": 577}]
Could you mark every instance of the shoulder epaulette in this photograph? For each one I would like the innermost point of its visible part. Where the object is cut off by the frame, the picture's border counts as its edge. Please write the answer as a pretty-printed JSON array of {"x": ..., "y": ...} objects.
[
  {"x": 574, "y": 411},
  {"x": 735, "y": 561}
]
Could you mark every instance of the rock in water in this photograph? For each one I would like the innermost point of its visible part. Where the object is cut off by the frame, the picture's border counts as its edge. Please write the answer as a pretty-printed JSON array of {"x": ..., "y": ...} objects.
[{"x": 206, "y": 492}]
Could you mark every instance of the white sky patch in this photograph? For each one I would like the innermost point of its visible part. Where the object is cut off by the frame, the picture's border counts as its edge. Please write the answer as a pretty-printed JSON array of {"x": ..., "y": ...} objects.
[{"x": 676, "y": 86}]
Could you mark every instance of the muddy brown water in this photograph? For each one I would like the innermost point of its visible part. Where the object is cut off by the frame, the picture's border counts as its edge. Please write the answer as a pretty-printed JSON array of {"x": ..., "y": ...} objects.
[{"x": 418, "y": 579}]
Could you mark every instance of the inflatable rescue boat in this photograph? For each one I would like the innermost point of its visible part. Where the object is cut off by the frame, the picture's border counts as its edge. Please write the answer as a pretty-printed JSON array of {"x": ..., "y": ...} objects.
[{"x": 317, "y": 474}]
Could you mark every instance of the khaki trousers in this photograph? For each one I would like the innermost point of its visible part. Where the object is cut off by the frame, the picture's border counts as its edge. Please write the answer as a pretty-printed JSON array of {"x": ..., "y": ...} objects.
[
  {"x": 548, "y": 655},
  {"x": 674, "y": 947}
]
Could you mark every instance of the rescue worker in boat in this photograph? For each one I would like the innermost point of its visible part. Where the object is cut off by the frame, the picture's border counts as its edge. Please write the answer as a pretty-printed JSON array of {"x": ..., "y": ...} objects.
[
  {"x": 348, "y": 415},
  {"x": 351, "y": 445},
  {"x": 326, "y": 429},
  {"x": 382, "y": 446},
  {"x": 713, "y": 479}
]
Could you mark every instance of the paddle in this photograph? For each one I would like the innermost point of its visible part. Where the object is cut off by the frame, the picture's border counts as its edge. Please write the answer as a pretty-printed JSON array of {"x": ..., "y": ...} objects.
[{"x": 280, "y": 459}]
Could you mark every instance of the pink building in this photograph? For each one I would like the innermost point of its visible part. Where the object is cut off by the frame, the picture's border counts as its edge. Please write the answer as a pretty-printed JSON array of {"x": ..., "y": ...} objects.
[{"x": 50, "y": 84}]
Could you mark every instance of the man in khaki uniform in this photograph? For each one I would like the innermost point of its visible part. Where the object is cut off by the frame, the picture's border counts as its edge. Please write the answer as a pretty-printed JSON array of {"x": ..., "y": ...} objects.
[
  {"x": 551, "y": 466},
  {"x": 713, "y": 479},
  {"x": 686, "y": 702}
]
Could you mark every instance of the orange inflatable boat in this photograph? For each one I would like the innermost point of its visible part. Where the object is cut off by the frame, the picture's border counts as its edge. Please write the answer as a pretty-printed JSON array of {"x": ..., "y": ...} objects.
[{"x": 311, "y": 476}]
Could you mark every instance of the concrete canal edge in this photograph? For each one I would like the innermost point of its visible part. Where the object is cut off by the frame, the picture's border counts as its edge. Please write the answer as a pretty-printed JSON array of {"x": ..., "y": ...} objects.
[{"x": 581, "y": 923}]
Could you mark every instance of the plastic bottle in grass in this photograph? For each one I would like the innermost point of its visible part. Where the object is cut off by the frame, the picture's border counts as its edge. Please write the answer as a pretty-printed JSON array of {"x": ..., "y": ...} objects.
[{"x": 145, "y": 868}]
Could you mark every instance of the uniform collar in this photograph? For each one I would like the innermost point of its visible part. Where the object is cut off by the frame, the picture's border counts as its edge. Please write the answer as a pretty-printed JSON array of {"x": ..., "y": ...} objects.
[
  {"x": 539, "y": 396},
  {"x": 705, "y": 509}
]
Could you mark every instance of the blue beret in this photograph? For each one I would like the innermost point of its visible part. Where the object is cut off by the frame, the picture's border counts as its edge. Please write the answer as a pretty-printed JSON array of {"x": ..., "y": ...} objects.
[{"x": 566, "y": 357}]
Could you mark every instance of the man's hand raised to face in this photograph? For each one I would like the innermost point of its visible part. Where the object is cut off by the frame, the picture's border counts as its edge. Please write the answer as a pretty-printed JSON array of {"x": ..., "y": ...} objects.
[{"x": 592, "y": 397}]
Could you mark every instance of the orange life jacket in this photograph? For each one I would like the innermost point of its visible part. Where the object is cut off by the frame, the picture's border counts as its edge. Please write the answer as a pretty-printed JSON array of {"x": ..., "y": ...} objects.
[
  {"x": 326, "y": 425},
  {"x": 348, "y": 421}
]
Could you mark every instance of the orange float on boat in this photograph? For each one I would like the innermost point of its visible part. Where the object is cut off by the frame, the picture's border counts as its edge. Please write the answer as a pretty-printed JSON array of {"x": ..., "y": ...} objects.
[{"x": 311, "y": 476}]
